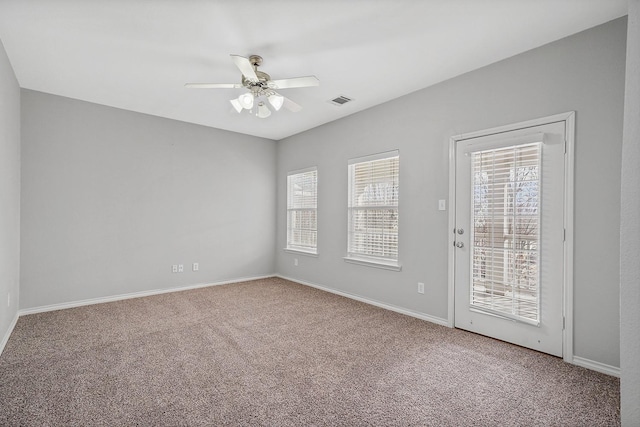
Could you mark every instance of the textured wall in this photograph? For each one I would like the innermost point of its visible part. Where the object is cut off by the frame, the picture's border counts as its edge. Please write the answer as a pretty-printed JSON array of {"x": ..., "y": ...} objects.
[
  {"x": 630, "y": 230},
  {"x": 584, "y": 72},
  {"x": 111, "y": 199},
  {"x": 9, "y": 194}
]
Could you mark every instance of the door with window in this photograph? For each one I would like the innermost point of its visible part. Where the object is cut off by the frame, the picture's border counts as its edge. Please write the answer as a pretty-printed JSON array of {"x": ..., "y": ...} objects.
[{"x": 509, "y": 232}]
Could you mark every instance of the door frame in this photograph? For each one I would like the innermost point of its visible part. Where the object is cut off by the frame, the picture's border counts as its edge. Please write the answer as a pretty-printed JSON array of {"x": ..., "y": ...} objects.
[{"x": 567, "y": 293}]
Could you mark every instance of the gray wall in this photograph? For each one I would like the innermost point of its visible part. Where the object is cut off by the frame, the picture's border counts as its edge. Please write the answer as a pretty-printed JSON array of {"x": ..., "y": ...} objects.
[
  {"x": 111, "y": 199},
  {"x": 584, "y": 73},
  {"x": 9, "y": 193},
  {"x": 630, "y": 230}
]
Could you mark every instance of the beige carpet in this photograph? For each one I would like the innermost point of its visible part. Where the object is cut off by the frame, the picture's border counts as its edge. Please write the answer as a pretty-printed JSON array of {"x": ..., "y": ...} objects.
[{"x": 276, "y": 353}]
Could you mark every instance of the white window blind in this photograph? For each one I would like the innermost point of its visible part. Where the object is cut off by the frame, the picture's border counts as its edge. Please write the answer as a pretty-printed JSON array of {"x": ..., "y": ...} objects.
[
  {"x": 506, "y": 231},
  {"x": 373, "y": 209},
  {"x": 302, "y": 205}
]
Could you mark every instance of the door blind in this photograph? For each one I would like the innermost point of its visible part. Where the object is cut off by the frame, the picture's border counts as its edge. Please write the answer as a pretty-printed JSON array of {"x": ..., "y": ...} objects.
[{"x": 506, "y": 231}]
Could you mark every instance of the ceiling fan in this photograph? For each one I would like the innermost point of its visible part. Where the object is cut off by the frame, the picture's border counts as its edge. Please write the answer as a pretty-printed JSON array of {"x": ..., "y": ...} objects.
[{"x": 260, "y": 87}]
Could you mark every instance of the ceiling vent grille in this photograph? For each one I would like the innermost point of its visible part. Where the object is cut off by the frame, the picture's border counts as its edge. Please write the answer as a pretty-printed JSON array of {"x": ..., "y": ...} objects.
[{"x": 340, "y": 100}]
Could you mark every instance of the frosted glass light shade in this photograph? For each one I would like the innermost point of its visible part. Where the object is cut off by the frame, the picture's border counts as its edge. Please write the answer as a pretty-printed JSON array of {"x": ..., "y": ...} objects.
[
  {"x": 276, "y": 101},
  {"x": 263, "y": 111},
  {"x": 246, "y": 100},
  {"x": 236, "y": 104}
]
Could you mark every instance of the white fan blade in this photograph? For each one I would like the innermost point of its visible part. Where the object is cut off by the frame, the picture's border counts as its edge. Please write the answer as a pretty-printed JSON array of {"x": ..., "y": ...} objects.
[
  {"x": 213, "y": 85},
  {"x": 291, "y": 106},
  {"x": 245, "y": 67},
  {"x": 294, "y": 82}
]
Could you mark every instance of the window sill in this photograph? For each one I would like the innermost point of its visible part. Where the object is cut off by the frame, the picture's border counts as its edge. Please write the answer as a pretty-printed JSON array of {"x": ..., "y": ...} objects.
[
  {"x": 376, "y": 264},
  {"x": 301, "y": 252}
]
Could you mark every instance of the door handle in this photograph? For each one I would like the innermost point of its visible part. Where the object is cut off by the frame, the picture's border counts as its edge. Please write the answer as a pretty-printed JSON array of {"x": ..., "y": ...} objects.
[{"x": 459, "y": 245}]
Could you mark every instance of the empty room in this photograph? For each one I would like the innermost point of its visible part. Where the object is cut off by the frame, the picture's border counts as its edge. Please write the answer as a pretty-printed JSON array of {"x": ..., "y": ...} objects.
[{"x": 330, "y": 213}]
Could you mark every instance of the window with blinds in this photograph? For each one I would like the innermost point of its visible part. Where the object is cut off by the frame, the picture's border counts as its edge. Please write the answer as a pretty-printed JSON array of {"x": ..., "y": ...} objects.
[
  {"x": 506, "y": 231},
  {"x": 373, "y": 209},
  {"x": 302, "y": 206}
]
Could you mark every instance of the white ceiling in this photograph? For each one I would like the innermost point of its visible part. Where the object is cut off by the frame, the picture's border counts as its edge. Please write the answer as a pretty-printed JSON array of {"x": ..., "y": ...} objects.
[{"x": 137, "y": 55}]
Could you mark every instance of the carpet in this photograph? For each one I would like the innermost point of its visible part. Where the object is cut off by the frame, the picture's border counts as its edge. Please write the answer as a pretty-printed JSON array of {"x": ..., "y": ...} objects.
[{"x": 275, "y": 353}]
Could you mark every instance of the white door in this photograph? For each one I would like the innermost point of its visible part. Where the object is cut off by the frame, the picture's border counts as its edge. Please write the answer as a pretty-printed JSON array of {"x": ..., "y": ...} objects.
[{"x": 509, "y": 236}]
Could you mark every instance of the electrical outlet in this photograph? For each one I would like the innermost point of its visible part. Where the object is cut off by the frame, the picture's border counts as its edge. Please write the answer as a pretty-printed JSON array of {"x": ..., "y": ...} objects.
[
  {"x": 195, "y": 266},
  {"x": 420, "y": 288},
  {"x": 180, "y": 268},
  {"x": 295, "y": 262},
  {"x": 174, "y": 268},
  {"x": 442, "y": 205}
]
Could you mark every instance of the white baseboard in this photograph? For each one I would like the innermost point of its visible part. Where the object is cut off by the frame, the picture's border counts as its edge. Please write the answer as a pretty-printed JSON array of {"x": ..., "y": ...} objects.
[
  {"x": 579, "y": 361},
  {"x": 596, "y": 366},
  {"x": 5, "y": 339},
  {"x": 91, "y": 301},
  {"x": 428, "y": 318}
]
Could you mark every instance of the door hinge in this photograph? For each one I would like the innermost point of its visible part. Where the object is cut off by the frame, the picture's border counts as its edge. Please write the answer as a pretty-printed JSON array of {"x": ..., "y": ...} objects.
[
  {"x": 563, "y": 323},
  {"x": 564, "y": 234}
]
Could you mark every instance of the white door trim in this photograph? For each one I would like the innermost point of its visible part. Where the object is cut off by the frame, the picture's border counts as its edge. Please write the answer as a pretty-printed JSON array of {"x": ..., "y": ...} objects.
[{"x": 567, "y": 304}]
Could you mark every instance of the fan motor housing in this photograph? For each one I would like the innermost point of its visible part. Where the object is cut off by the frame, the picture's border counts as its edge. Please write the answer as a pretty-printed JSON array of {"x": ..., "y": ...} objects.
[
  {"x": 256, "y": 60},
  {"x": 263, "y": 78}
]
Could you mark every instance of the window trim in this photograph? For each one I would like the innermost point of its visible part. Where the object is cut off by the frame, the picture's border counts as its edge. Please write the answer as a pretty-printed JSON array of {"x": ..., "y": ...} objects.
[
  {"x": 301, "y": 252},
  {"x": 362, "y": 259},
  {"x": 294, "y": 248},
  {"x": 374, "y": 262}
]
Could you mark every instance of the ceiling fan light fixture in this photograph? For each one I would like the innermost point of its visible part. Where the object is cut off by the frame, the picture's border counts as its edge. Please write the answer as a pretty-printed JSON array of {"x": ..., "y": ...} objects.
[
  {"x": 259, "y": 87},
  {"x": 276, "y": 101},
  {"x": 246, "y": 100},
  {"x": 236, "y": 104},
  {"x": 263, "y": 111}
]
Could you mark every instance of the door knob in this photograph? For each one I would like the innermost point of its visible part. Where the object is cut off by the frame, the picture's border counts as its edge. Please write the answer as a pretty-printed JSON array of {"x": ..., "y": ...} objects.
[
  {"x": 460, "y": 231},
  {"x": 459, "y": 245}
]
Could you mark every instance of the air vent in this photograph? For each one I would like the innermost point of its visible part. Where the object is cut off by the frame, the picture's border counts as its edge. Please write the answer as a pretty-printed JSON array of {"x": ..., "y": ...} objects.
[{"x": 340, "y": 100}]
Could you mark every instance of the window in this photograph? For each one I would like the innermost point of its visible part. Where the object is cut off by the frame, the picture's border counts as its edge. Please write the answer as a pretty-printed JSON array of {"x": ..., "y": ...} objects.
[
  {"x": 506, "y": 236},
  {"x": 373, "y": 210},
  {"x": 302, "y": 205}
]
